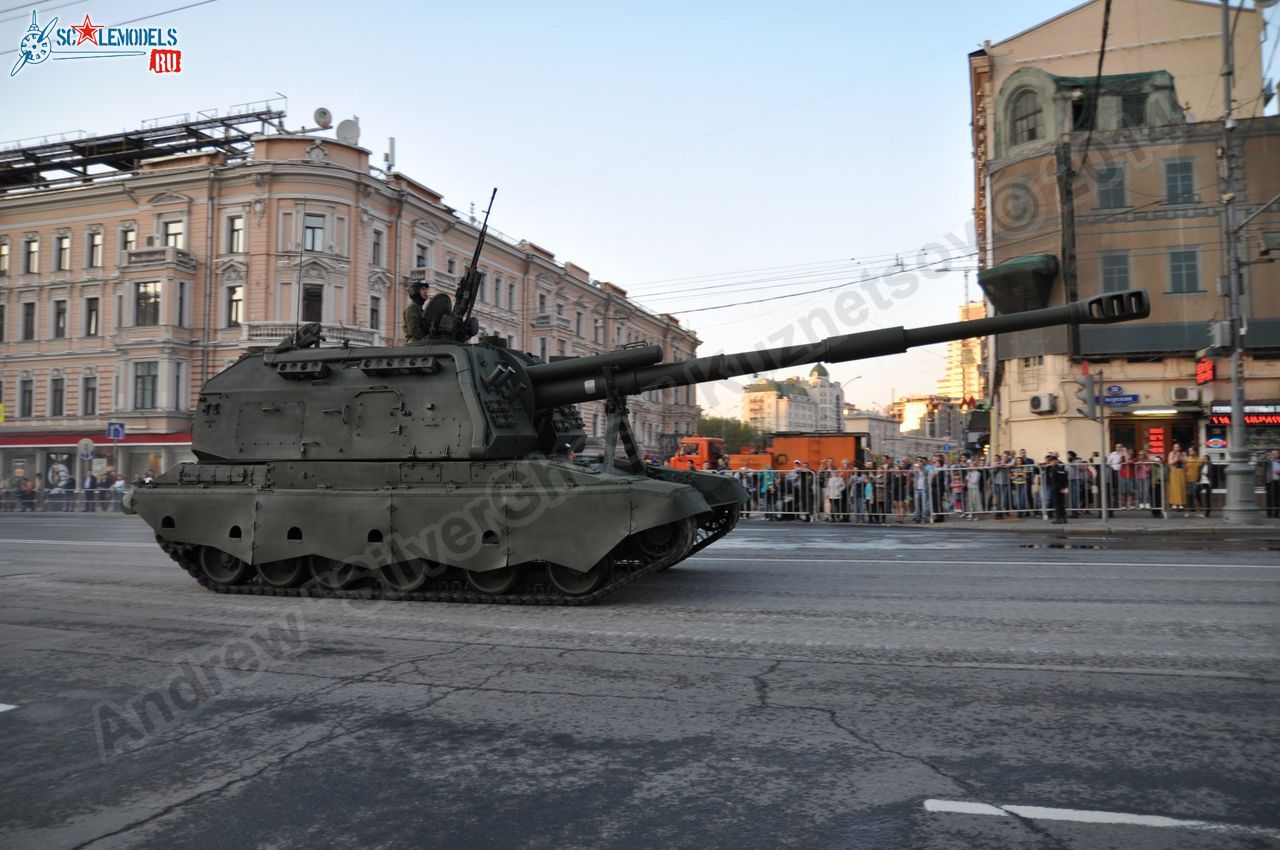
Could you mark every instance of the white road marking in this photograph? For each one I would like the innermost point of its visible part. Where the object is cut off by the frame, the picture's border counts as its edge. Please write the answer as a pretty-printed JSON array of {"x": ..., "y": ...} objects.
[
  {"x": 994, "y": 563},
  {"x": 962, "y": 807},
  {"x": 78, "y": 543},
  {"x": 6, "y": 707}
]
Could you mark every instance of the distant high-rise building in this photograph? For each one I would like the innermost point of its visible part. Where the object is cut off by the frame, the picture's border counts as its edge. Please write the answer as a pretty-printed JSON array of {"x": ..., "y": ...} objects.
[
  {"x": 963, "y": 379},
  {"x": 929, "y": 416},
  {"x": 828, "y": 400}
]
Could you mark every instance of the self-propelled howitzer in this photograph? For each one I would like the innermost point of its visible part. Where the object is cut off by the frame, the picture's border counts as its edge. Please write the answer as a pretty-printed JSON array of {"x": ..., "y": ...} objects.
[{"x": 444, "y": 471}]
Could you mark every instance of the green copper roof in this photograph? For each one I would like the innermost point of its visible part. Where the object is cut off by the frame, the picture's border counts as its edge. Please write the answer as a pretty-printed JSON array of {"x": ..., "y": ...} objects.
[
  {"x": 1120, "y": 84},
  {"x": 785, "y": 388}
]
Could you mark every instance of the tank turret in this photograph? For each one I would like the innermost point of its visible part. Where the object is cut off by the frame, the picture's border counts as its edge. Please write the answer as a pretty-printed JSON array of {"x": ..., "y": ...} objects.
[{"x": 444, "y": 471}]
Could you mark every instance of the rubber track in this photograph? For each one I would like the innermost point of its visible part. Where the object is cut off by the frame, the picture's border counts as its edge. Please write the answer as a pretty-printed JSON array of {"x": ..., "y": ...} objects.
[{"x": 625, "y": 571}]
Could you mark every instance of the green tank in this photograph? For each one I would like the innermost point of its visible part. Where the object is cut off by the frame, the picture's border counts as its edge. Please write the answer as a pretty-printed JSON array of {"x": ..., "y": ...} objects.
[{"x": 445, "y": 471}]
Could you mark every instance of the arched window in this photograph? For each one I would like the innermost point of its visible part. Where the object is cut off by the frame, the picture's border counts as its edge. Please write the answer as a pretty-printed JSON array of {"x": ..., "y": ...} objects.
[{"x": 1027, "y": 118}]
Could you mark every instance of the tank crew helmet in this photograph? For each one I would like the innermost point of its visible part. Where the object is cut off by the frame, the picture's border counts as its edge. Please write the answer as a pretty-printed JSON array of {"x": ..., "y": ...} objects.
[{"x": 418, "y": 290}]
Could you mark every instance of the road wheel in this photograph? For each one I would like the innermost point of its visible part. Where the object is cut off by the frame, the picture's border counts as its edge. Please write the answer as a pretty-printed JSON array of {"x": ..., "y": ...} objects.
[
  {"x": 406, "y": 576},
  {"x": 661, "y": 540},
  {"x": 287, "y": 573},
  {"x": 222, "y": 567},
  {"x": 331, "y": 574},
  {"x": 496, "y": 582},
  {"x": 575, "y": 583}
]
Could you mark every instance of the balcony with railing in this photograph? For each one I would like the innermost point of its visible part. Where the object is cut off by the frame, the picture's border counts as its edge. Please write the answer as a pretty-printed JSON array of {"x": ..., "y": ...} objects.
[
  {"x": 159, "y": 258},
  {"x": 550, "y": 320},
  {"x": 333, "y": 334}
]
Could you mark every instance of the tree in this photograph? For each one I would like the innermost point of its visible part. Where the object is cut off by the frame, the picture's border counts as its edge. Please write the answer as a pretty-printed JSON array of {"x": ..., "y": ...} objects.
[{"x": 734, "y": 433}]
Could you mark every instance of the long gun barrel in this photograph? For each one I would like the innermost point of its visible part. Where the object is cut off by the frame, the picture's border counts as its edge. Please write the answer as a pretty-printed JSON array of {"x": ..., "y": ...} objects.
[{"x": 573, "y": 386}]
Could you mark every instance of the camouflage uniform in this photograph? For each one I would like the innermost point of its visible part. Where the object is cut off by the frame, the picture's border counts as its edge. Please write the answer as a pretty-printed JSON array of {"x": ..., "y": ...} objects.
[{"x": 415, "y": 328}]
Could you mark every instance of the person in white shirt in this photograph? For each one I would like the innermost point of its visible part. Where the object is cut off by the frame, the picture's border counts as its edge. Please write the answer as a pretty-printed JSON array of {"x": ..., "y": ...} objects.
[{"x": 1115, "y": 460}]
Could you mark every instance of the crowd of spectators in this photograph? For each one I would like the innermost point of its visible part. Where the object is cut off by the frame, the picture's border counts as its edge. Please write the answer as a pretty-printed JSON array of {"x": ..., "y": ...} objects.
[
  {"x": 1006, "y": 485},
  {"x": 64, "y": 494}
]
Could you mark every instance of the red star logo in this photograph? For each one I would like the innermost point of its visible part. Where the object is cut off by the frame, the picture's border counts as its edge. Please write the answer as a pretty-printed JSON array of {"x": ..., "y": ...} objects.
[{"x": 88, "y": 31}]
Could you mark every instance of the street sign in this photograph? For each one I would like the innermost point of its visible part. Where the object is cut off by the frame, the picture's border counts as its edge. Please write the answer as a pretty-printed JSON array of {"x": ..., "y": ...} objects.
[
  {"x": 115, "y": 430},
  {"x": 946, "y": 447},
  {"x": 1120, "y": 400},
  {"x": 1114, "y": 389},
  {"x": 86, "y": 448}
]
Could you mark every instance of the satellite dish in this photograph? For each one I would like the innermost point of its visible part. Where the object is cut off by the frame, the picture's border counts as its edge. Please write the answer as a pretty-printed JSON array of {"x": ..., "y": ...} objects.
[
  {"x": 349, "y": 131},
  {"x": 323, "y": 118}
]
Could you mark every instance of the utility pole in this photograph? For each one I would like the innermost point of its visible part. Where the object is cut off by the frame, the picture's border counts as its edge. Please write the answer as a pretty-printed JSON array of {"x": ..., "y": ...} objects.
[
  {"x": 1241, "y": 507},
  {"x": 1104, "y": 468}
]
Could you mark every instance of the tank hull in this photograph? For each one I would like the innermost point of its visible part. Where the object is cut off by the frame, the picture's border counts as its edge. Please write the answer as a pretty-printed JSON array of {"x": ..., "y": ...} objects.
[{"x": 458, "y": 517}]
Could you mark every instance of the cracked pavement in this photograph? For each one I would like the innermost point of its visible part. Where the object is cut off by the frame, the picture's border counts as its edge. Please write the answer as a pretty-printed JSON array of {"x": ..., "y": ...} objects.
[{"x": 794, "y": 687}]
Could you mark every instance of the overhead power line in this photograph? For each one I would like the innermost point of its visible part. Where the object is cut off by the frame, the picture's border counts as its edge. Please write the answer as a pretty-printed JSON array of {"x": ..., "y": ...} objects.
[{"x": 953, "y": 260}]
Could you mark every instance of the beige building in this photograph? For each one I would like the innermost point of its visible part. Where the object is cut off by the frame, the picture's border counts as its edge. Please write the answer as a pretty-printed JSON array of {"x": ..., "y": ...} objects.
[
  {"x": 964, "y": 379},
  {"x": 795, "y": 405},
  {"x": 1144, "y": 210},
  {"x": 130, "y": 277},
  {"x": 884, "y": 433},
  {"x": 934, "y": 416}
]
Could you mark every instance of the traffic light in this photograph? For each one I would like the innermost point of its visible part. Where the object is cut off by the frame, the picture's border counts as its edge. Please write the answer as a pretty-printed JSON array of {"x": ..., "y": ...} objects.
[{"x": 1088, "y": 401}]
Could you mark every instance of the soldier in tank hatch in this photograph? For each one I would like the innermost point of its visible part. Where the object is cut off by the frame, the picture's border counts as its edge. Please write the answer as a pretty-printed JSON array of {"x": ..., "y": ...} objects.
[{"x": 415, "y": 326}]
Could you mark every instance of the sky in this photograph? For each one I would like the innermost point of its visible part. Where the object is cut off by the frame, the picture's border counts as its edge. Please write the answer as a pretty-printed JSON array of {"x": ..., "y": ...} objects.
[{"x": 699, "y": 155}]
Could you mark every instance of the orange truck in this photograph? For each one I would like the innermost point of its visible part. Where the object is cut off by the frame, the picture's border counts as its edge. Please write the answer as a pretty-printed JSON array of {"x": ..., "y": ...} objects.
[{"x": 783, "y": 450}]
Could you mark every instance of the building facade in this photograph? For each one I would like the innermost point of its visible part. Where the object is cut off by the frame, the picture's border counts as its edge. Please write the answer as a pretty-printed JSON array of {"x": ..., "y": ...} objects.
[
  {"x": 937, "y": 417},
  {"x": 121, "y": 293},
  {"x": 1077, "y": 195},
  {"x": 884, "y": 434},
  {"x": 794, "y": 405}
]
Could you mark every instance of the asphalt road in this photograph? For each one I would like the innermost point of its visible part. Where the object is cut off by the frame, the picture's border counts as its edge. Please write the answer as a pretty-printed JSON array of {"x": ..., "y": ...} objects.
[{"x": 792, "y": 686}]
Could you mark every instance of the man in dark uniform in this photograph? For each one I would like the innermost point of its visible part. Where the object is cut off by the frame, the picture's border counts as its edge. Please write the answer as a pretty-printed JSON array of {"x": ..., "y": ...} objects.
[
  {"x": 415, "y": 328},
  {"x": 1057, "y": 482}
]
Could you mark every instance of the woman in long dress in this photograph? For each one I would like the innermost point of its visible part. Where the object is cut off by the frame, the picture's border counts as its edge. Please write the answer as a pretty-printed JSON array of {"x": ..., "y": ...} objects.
[{"x": 1176, "y": 492}]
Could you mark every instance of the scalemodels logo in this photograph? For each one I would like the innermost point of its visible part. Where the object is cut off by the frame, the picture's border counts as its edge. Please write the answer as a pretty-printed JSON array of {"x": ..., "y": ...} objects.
[{"x": 78, "y": 42}]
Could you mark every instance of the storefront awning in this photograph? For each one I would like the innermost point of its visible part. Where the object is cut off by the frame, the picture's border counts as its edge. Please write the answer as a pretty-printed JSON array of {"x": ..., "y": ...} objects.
[
  {"x": 1022, "y": 283},
  {"x": 38, "y": 440}
]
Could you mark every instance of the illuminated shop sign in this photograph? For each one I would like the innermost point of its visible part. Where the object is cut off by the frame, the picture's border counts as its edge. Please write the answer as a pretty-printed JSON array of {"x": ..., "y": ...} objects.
[
  {"x": 1255, "y": 413},
  {"x": 1205, "y": 368}
]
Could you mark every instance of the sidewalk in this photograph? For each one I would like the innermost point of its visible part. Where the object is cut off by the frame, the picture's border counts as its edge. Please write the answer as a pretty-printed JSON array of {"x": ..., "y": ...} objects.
[{"x": 1127, "y": 523}]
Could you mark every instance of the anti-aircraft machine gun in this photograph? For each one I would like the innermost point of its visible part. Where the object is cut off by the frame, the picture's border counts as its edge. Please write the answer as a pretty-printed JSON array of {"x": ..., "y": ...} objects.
[{"x": 436, "y": 472}]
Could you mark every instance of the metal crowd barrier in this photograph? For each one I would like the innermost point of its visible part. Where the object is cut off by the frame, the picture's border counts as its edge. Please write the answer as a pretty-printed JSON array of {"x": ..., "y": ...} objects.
[
  {"x": 997, "y": 491},
  {"x": 55, "y": 500}
]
